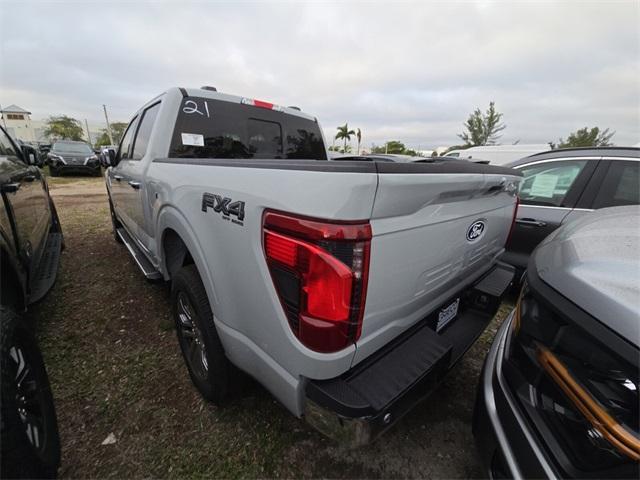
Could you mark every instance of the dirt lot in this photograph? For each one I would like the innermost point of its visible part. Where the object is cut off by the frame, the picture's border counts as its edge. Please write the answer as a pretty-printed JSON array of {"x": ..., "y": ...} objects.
[{"x": 115, "y": 367}]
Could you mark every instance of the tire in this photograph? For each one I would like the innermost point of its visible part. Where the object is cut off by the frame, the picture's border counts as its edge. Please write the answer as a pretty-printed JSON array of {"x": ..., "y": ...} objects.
[
  {"x": 115, "y": 223},
  {"x": 195, "y": 329},
  {"x": 30, "y": 441}
]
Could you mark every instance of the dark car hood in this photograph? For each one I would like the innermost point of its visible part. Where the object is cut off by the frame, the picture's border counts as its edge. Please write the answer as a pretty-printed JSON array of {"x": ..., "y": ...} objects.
[{"x": 595, "y": 262}]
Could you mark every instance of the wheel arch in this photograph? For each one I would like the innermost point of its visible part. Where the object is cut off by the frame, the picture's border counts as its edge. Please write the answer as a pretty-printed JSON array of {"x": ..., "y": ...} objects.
[{"x": 178, "y": 246}]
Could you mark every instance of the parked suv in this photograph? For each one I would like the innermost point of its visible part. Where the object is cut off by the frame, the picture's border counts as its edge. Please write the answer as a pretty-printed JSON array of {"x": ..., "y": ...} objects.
[
  {"x": 346, "y": 288},
  {"x": 67, "y": 156},
  {"x": 30, "y": 245},
  {"x": 559, "y": 393},
  {"x": 563, "y": 185}
]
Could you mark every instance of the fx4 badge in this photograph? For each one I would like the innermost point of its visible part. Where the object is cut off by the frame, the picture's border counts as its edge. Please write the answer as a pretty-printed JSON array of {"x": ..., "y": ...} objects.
[{"x": 225, "y": 206}]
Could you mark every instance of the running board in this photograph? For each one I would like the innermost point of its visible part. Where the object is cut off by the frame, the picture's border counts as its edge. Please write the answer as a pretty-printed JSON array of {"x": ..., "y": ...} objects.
[{"x": 141, "y": 260}]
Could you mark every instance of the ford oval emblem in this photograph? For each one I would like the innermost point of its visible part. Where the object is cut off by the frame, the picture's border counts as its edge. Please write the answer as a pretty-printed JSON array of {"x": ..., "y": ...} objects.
[{"x": 475, "y": 231}]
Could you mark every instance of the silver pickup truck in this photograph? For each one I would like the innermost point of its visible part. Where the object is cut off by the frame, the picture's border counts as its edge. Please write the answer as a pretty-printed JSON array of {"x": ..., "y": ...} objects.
[{"x": 346, "y": 288}]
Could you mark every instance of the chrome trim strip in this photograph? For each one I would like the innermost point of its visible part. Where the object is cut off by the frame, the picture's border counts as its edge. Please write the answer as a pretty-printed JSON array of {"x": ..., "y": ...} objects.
[
  {"x": 557, "y": 208},
  {"x": 628, "y": 159},
  {"x": 558, "y": 159}
]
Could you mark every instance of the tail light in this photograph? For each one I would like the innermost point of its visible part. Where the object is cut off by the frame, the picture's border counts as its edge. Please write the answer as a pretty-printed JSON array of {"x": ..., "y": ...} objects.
[
  {"x": 320, "y": 270},
  {"x": 513, "y": 219}
]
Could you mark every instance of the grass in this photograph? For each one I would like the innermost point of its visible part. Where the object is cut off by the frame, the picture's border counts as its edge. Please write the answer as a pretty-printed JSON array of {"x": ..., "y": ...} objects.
[{"x": 115, "y": 367}]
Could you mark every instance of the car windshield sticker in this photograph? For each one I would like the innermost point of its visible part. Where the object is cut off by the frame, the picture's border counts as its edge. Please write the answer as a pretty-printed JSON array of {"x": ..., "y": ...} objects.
[
  {"x": 194, "y": 139},
  {"x": 544, "y": 185}
]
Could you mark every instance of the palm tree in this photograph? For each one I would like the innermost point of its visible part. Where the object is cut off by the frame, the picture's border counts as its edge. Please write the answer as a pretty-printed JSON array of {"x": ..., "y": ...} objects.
[
  {"x": 345, "y": 134},
  {"x": 359, "y": 137}
]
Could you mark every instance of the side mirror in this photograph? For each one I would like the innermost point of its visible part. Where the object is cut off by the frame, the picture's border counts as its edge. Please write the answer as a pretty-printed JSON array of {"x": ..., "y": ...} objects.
[
  {"x": 29, "y": 154},
  {"x": 112, "y": 157}
]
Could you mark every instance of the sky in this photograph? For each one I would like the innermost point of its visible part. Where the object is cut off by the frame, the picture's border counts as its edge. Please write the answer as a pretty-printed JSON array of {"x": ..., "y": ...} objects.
[{"x": 408, "y": 71}]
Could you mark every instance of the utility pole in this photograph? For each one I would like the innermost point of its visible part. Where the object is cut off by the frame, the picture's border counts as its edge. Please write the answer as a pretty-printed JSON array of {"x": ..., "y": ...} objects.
[
  {"x": 86, "y": 124},
  {"x": 108, "y": 126}
]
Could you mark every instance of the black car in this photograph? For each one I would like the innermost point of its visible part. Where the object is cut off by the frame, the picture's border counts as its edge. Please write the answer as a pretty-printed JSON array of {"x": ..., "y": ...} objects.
[
  {"x": 562, "y": 185},
  {"x": 30, "y": 245},
  {"x": 68, "y": 156},
  {"x": 559, "y": 391}
]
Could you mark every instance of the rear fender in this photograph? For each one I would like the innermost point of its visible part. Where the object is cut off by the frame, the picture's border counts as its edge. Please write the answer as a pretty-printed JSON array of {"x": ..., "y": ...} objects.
[{"x": 170, "y": 218}]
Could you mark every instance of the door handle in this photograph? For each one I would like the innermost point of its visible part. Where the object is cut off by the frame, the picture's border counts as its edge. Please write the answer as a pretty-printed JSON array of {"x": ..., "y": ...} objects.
[
  {"x": 135, "y": 185},
  {"x": 532, "y": 222},
  {"x": 117, "y": 177},
  {"x": 10, "y": 187}
]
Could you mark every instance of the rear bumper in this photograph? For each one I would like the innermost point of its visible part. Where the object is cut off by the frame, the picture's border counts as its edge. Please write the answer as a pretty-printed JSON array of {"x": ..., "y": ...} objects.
[{"x": 368, "y": 399}]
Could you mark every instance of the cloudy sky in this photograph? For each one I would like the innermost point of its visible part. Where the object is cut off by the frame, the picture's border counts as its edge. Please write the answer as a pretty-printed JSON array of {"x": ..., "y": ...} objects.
[{"x": 398, "y": 70}]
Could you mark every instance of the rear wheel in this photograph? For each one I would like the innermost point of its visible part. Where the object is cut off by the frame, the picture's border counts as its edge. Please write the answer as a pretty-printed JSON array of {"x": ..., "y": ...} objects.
[
  {"x": 30, "y": 441},
  {"x": 209, "y": 369}
]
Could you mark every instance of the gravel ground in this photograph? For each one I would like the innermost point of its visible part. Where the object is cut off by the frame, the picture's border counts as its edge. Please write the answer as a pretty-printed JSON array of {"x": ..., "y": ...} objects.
[{"x": 115, "y": 368}]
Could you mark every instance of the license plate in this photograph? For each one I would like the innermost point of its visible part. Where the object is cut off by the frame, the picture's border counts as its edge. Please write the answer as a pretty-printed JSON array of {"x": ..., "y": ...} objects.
[{"x": 447, "y": 314}]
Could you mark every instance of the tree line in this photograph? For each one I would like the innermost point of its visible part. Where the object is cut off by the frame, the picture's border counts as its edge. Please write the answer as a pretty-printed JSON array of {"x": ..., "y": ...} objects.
[
  {"x": 63, "y": 127},
  {"x": 480, "y": 128}
]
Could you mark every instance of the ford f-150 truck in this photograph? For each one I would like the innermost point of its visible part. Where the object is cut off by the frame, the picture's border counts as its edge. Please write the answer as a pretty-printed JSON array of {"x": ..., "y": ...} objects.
[{"x": 346, "y": 288}]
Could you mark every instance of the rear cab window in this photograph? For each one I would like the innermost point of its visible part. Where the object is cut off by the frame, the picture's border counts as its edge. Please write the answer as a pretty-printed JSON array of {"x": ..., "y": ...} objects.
[{"x": 208, "y": 128}]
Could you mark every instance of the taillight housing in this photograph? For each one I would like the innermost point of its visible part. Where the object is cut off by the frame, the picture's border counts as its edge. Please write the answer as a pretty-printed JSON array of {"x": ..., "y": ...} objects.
[{"x": 320, "y": 271}]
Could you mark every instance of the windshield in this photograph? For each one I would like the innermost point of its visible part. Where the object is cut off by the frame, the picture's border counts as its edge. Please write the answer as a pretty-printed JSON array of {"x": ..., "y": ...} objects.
[{"x": 65, "y": 147}]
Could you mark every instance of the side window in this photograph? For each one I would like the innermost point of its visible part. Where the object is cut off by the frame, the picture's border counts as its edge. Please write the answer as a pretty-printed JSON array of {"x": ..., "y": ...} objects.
[
  {"x": 621, "y": 185},
  {"x": 144, "y": 131},
  {"x": 124, "y": 152},
  {"x": 548, "y": 183},
  {"x": 9, "y": 161},
  {"x": 6, "y": 146}
]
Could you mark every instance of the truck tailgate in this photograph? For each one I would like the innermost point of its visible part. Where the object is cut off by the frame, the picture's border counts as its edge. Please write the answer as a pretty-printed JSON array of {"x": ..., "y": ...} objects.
[{"x": 421, "y": 254}]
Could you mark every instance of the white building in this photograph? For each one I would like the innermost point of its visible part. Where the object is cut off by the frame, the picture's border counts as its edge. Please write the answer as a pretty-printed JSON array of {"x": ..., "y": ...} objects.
[{"x": 17, "y": 122}]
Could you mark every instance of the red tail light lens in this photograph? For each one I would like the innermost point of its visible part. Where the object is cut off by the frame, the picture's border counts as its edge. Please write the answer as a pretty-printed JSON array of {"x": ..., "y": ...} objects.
[{"x": 320, "y": 271}]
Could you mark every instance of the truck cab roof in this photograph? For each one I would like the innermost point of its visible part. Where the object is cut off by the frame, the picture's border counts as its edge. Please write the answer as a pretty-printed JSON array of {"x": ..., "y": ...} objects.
[{"x": 216, "y": 95}]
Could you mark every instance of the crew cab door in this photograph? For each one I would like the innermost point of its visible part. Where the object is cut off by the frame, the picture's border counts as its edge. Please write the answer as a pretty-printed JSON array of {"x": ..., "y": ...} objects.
[
  {"x": 549, "y": 192},
  {"x": 19, "y": 188},
  {"x": 134, "y": 188},
  {"x": 117, "y": 177}
]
